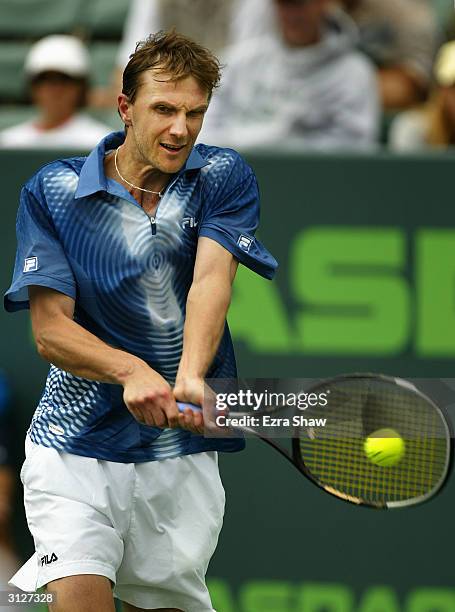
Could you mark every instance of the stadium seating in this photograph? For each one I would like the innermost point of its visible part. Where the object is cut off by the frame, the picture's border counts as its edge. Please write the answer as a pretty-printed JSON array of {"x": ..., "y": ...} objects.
[
  {"x": 444, "y": 12},
  {"x": 36, "y": 18},
  {"x": 12, "y": 115},
  {"x": 99, "y": 23},
  {"x": 12, "y": 83},
  {"x": 105, "y": 18},
  {"x": 22, "y": 22}
]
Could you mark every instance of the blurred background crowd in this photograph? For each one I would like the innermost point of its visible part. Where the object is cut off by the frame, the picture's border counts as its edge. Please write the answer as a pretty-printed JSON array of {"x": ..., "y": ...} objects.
[
  {"x": 314, "y": 75},
  {"x": 305, "y": 74}
]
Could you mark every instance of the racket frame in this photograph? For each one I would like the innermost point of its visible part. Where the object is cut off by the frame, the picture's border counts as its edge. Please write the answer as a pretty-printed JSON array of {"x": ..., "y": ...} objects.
[
  {"x": 295, "y": 456},
  {"x": 297, "y": 460}
]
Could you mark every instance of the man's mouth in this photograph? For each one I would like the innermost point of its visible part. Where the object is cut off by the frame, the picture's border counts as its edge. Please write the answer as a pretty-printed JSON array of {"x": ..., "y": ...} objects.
[{"x": 171, "y": 147}]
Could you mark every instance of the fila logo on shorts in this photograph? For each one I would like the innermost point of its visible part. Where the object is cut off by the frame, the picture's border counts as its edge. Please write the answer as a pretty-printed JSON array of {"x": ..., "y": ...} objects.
[
  {"x": 47, "y": 560},
  {"x": 245, "y": 242},
  {"x": 31, "y": 264}
]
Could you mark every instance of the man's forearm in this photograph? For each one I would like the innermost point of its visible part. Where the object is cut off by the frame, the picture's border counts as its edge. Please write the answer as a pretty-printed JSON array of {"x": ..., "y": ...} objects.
[
  {"x": 206, "y": 310},
  {"x": 72, "y": 348},
  {"x": 60, "y": 340}
]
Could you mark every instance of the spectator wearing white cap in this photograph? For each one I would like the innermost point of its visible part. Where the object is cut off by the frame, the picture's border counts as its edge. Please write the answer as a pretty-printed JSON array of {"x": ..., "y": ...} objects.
[
  {"x": 57, "y": 69},
  {"x": 432, "y": 124}
]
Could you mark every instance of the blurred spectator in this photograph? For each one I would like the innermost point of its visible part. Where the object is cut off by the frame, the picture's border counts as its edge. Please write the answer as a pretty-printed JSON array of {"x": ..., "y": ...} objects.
[
  {"x": 306, "y": 87},
  {"x": 8, "y": 560},
  {"x": 57, "y": 68},
  {"x": 432, "y": 125},
  {"x": 399, "y": 36},
  {"x": 206, "y": 21}
]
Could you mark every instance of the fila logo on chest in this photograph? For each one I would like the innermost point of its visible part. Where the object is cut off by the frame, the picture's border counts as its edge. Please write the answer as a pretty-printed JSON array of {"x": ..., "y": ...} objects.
[{"x": 189, "y": 222}]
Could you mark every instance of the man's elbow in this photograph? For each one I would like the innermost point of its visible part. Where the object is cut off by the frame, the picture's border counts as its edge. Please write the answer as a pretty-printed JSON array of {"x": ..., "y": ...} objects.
[{"x": 43, "y": 344}]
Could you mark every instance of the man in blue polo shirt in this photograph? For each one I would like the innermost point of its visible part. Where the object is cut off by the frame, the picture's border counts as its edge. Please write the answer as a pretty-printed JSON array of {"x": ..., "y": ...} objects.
[{"x": 127, "y": 259}]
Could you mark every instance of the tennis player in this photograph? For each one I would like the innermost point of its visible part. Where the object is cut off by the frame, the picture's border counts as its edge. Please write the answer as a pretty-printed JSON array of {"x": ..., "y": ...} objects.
[{"x": 126, "y": 259}]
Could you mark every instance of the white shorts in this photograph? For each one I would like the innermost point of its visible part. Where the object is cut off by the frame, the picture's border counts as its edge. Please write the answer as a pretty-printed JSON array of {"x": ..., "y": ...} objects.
[{"x": 151, "y": 528}]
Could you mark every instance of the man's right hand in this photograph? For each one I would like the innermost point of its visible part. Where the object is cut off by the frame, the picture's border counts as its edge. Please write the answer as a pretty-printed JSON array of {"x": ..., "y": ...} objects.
[{"x": 149, "y": 398}]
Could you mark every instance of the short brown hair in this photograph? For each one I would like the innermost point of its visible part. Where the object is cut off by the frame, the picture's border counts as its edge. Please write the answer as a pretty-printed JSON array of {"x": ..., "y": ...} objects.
[{"x": 175, "y": 54}]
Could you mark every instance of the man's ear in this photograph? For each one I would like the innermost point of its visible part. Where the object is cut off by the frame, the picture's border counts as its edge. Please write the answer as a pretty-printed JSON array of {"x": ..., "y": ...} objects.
[{"x": 124, "y": 109}]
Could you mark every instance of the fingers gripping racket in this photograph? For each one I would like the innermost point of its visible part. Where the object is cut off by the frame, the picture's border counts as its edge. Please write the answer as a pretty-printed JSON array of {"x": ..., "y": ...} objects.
[{"x": 365, "y": 415}]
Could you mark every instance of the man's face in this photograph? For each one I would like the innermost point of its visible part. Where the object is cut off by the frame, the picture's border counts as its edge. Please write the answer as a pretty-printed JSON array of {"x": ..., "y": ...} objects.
[
  {"x": 56, "y": 93},
  {"x": 165, "y": 119},
  {"x": 300, "y": 20}
]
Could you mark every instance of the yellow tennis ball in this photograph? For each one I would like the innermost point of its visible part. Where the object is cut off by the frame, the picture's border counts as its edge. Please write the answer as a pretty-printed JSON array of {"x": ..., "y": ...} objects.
[{"x": 384, "y": 447}]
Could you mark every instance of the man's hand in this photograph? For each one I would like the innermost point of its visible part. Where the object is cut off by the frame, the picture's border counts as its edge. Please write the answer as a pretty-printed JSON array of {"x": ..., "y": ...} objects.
[
  {"x": 190, "y": 390},
  {"x": 148, "y": 396}
]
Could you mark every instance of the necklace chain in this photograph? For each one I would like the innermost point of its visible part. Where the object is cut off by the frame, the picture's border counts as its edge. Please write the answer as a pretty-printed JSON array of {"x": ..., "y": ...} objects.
[{"x": 158, "y": 193}]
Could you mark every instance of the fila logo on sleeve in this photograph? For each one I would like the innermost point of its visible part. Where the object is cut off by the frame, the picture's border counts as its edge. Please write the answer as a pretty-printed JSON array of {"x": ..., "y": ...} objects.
[
  {"x": 31, "y": 264},
  {"x": 245, "y": 242}
]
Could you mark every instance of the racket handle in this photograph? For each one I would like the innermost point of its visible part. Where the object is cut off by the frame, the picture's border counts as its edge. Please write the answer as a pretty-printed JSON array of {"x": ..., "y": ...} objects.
[{"x": 182, "y": 405}]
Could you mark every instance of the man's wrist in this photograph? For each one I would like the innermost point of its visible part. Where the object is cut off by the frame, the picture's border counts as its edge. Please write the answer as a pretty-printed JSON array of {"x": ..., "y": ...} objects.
[
  {"x": 189, "y": 388},
  {"x": 128, "y": 366},
  {"x": 190, "y": 371},
  {"x": 183, "y": 380}
]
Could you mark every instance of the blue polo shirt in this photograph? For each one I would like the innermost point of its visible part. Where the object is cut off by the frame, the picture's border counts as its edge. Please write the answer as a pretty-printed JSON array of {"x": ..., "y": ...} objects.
[{"x": 82, "y": 234}]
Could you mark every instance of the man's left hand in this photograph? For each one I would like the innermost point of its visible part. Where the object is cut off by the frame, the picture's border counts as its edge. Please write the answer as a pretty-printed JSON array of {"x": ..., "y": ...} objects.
[{"x": 190, "y": 390}]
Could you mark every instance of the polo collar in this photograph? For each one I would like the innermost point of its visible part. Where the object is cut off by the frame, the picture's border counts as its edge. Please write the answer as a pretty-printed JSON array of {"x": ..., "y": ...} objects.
[{"x": 92, "y": 177}]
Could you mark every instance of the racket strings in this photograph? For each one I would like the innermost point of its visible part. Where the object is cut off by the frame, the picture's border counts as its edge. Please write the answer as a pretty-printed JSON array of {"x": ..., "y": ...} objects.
[{"x": 335, "y": 454}]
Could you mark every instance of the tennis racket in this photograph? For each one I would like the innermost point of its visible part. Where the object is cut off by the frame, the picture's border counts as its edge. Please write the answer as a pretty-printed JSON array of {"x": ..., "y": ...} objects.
[{"x": 334, "y": 457}]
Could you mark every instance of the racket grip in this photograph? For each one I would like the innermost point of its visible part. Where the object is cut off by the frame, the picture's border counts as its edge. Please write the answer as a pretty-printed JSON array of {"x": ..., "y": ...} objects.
[{"x": 182, "y": 405}]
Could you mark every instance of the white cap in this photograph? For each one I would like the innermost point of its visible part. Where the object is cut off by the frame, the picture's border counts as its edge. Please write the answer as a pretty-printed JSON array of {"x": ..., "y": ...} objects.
[{"x": 59, "y": 53}]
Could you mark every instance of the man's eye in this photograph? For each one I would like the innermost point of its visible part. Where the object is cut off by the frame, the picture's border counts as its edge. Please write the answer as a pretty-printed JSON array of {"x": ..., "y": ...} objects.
[
  {"x": 164, "y": 109},
  {"x": 199, "y": 113}
]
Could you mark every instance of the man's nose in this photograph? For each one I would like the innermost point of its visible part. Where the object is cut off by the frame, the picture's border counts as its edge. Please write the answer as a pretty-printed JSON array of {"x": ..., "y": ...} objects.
[{"x": 178, "y": 127}]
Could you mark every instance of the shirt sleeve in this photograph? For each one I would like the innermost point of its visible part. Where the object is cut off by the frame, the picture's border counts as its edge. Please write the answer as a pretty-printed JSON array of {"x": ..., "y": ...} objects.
[
  {"x": 40, "y": 258},
  {"x": 231, "y": 217}
]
